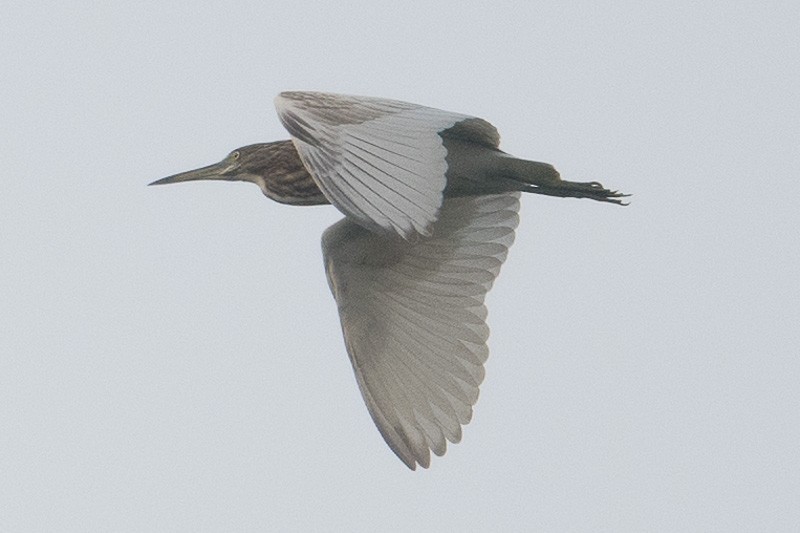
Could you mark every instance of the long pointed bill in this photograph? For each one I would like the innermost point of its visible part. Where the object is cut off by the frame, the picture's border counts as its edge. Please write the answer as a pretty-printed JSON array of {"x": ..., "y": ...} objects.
[{"x": 211, "y": 172}]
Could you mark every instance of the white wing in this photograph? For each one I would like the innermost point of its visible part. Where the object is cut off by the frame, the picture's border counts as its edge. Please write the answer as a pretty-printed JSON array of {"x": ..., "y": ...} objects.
[
  {"x": 381, "y": 162},
  {"x": 413, "y": 318}
]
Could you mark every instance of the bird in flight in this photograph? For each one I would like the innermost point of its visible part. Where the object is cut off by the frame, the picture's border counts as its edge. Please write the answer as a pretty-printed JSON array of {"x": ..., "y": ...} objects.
[{"x": 430, "y": 205}]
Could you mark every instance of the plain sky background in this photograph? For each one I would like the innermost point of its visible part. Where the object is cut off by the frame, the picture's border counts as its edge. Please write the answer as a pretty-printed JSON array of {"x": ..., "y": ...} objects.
[{"x": 171, "y": 358}]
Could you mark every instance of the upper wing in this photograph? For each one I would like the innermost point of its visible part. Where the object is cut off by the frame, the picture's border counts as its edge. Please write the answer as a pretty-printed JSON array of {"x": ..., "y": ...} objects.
[
  {"x": 381, "y": 162},
  {"x": 414, "y": 320}
]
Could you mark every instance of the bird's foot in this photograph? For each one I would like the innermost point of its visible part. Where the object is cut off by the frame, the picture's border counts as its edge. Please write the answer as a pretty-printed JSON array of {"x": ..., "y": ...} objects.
[{"x": 573, "y": 189}]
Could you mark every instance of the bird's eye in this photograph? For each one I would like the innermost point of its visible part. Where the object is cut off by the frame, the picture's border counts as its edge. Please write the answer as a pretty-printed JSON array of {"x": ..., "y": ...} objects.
[{"x": 235, "y": 155}]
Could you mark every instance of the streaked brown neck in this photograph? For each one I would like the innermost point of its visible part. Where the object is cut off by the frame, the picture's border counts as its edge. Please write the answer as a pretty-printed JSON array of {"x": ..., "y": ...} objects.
[{"x": 283, "y": 177}]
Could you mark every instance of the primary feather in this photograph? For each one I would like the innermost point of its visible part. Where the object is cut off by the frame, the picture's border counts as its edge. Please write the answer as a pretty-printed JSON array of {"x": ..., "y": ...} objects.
[
  {"x": 413, "y": 318},
  {"x": 381, "y": 162}
]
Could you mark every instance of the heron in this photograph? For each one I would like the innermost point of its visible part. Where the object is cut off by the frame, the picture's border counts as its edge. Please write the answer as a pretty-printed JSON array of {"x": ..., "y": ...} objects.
[{"x": 430, "y": 206}]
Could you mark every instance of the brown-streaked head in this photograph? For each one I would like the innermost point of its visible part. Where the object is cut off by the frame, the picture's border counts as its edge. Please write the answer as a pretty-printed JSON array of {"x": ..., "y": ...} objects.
[{"x": 275, "y": 167}]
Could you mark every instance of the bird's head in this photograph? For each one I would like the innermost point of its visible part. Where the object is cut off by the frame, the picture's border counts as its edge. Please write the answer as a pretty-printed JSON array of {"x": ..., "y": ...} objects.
[
  {"x": 248, "y": 163},
  {"x": 275, "y": 167}
]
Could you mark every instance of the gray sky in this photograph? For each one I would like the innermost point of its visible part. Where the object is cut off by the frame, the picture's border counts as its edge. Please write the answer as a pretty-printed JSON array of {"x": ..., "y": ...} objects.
[{"x": 171, "y": 359}]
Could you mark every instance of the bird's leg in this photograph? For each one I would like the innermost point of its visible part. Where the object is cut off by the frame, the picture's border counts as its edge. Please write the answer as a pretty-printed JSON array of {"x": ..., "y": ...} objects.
[
  {"x": 574, "y": 189},
  {"x": 542, "y": 178}
]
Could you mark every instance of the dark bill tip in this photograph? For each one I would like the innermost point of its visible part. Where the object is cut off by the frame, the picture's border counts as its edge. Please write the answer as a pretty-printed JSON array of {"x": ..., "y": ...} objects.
[
  {"x": 162, "y": 181},
  {"x": 211, "y": 172}
]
